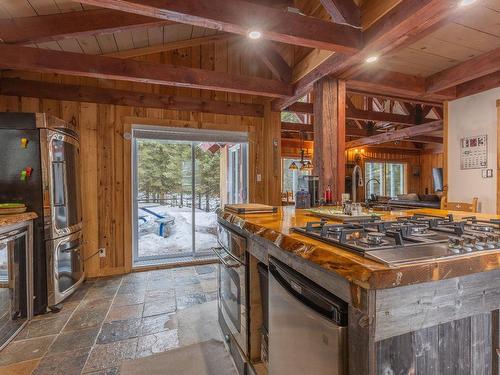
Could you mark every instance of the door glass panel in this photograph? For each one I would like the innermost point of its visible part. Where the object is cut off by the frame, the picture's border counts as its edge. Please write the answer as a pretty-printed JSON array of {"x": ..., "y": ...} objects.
[
  {"x": 164, "y": 202},
  {"x": 207, "y": 195},
  {"x": 178, "y": 187}
]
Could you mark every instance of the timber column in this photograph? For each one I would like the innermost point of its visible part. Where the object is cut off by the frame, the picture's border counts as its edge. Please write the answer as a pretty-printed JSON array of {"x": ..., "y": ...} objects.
[{"x": 329, "y": 135}]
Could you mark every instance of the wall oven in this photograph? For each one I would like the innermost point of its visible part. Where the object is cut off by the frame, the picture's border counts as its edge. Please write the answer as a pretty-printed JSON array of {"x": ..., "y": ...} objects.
[
  {"x": 64, "y": 259},
  {"x": 232, "y": 292},
  {"x": 41, "y": 169}
]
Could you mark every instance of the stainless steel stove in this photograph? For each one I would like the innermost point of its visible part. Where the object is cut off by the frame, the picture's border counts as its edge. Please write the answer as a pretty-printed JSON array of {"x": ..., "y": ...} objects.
[{"x": 409, "y": 239}]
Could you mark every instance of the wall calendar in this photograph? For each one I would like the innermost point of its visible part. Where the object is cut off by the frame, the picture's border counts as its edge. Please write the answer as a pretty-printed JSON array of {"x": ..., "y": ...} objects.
[{"x": 474, "y": 152}]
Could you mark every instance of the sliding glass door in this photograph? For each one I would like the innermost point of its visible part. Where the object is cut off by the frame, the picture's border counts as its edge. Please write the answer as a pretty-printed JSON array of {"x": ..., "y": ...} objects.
[{"x": 180, "y": 179}]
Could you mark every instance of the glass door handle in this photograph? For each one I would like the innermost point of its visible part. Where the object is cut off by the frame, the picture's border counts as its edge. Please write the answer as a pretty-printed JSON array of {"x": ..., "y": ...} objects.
[{"x": 221, "y": 258}]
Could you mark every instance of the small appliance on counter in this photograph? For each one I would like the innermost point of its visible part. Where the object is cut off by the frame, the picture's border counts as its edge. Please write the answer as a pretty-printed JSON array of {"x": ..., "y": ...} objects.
[
  {"x": 40, "y": 167},
  {"x": 302, "y": 199},
  {"x": 313, "y": 189}
]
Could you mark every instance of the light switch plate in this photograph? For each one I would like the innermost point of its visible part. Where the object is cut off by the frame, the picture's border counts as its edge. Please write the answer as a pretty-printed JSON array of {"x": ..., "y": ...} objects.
[{"x": 259, "y": 177}]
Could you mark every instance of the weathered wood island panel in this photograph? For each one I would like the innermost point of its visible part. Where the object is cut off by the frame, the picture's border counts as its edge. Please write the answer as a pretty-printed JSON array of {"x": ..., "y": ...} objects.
[{"x": 429, "y": 318}]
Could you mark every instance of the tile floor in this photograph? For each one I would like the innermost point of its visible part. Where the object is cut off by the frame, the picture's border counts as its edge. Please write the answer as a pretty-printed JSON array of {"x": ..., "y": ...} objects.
[{"x": 114, "y": 319}]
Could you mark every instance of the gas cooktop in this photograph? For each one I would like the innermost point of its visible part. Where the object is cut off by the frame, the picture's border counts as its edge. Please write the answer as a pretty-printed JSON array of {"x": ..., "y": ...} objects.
[{"x": 409, "y": 239}]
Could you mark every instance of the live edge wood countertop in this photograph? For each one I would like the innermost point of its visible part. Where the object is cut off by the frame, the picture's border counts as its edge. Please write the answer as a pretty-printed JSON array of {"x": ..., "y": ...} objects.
[
  {"x": 358, "y": 270},
  {"x": 16, "y": 218}
]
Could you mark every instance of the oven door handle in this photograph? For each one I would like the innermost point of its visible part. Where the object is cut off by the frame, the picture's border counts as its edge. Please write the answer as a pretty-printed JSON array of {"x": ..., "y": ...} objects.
[
  {"x": 72, "y": 249},
  {"x": 221, "y": 258}
]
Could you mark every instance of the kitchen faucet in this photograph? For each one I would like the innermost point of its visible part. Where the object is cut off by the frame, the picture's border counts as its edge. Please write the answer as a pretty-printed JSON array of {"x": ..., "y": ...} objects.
[
  {"x": 356, "y": 171},
  {"x": 366, "y": 186}
]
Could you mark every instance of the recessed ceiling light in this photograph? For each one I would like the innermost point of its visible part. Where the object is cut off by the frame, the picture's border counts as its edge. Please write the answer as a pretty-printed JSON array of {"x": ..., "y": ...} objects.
[
  {"x": 371, "y": 59},
  {"x": 254, "y": 34},
  {"x": 464, "y": 3}
]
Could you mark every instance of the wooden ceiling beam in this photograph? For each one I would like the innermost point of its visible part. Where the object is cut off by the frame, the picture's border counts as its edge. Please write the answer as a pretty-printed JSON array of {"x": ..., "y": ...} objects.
[
  {"x": 427, "y": 139},
  {"x": 482, "y": 65},
  {"x": 405, "y": 20},
  {"x": 397, "y": 135},
  {"x": 382, "y": 81},
  {"x": 70, "y": 25},
  {"x": 300, "y": 107},
  {"x": 101, "y": 95},
  {"x": 273, "y": 60},
  {"x": 40, "y": 60},
  {"x": 343, "y": 11},
  {"x": 478, "y": 85},
  {"x": 136, "y": 52},
  {"x": 239, "y": 17}
]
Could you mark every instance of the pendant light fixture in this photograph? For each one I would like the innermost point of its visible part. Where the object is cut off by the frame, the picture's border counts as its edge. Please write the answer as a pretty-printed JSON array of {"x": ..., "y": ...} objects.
[{"x": 305, "y": 165}]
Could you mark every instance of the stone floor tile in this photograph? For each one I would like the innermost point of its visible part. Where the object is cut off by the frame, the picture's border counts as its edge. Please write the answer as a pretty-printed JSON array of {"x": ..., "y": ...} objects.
[
  {"x": 159, "y": 295},
  {"x": 25, "y": 350},
  {"x": 71, "y": 363},
  {"x": 188, "y": 300},
  {"x": 128, "y": 299},
  {"x": 159, "y": 307},
  {"x": 202, "y": 270},
  {"x": 80, "y": 292},
  {"x": 157, "y": 323},
  {"x": 209, "y": 285},
  {"x": 124, "y": 312},
  {"x": 119, "y": 330},
  {"x": 186, "y": 280},
  {"x": 52, "y": 324},
  {"x": 22, "y": 368},
  {"x": 73, "y": 340},
  {"x": 107, "y": 371},
  {"x": 157, "y": 343},
  {"x": 86, "y": 318},
  {"x": 110, "y": 355},
  {"x": 212, "y": 296}
]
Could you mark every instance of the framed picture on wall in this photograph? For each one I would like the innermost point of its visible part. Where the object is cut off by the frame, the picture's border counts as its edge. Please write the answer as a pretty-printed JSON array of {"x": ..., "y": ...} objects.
[{"x": 474, "y": 152}]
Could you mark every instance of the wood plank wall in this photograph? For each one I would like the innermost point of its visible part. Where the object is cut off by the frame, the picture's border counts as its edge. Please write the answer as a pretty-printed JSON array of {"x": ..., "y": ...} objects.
[
  {"x": 105, "y": 154},
  {"x": 418, "y": 171}
]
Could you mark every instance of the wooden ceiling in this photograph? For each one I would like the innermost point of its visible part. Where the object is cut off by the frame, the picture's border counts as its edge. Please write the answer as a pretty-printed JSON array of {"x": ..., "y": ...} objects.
[
  {"x": 470, "y": 33},
  {"x": 430, "y": 48}
]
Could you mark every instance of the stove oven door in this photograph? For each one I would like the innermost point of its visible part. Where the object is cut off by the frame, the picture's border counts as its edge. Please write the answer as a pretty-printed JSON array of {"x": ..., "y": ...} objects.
[
  {"x": 232, "y": 296},
  {"x": 61, "y": 185}
]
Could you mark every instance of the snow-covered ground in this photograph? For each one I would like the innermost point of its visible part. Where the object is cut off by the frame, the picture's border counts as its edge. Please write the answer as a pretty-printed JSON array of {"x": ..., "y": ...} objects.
[{"x": 178, "y": 241}]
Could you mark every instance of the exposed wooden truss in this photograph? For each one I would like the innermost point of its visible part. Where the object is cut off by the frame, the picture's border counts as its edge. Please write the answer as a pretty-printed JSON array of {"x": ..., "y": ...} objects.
[
  {"x": 343, "y": 11},
  {"x": 407, "y": 19},
  {"x": 487, "y": 63},
  {"x": 73, "y": 24},
  {"x": 236, "y": 16},
  {"x": 101, "y": 95},
  {"x": 397, "y": 135},
  {"x": 271, "y": 58},
  {"x": 34, "y": 59}
]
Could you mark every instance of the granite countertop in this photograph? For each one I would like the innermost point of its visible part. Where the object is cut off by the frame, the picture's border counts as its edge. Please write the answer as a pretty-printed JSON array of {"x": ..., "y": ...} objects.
[
  {"x": 363, "y": 272},
  {"x": 16, "y": 218}
]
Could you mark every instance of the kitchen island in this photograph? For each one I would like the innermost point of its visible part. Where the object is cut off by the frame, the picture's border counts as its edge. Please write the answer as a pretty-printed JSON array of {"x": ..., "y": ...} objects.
[{"x": 430, "y": 317}]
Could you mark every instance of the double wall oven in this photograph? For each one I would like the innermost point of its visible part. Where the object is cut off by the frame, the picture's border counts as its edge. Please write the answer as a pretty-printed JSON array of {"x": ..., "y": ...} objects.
[
  {"x": 41, "y": 159},
  {"x": 232, "y": 293}
]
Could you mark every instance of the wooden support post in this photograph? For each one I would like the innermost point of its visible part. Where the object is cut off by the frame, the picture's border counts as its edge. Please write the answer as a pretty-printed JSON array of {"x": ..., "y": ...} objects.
[
  {"x": 329, "y": 135},
  {"x": 271, "y": 144}
]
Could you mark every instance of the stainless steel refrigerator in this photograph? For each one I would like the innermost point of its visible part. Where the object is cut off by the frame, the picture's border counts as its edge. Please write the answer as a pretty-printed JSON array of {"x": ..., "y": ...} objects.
[{"x": 39, "y": 166}]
